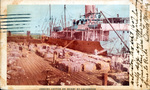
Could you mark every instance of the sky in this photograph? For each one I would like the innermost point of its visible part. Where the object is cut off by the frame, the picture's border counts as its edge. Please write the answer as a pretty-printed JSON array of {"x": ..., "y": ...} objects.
[{"x": 40, "y": 14}]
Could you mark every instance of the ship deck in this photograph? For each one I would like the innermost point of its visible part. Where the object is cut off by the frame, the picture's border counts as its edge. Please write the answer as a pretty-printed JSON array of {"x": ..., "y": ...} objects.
[{"x": 35, "y": 68}]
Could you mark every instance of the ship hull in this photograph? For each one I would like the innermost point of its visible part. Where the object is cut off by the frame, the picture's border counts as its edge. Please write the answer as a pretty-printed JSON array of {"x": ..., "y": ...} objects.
[
  {"x": 79, "y": 45},
  {"x": 83, "y": 46}
]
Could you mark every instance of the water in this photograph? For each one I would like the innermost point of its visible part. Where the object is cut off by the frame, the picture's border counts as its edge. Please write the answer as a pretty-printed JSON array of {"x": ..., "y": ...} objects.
[{"x": 114, "y": 45}]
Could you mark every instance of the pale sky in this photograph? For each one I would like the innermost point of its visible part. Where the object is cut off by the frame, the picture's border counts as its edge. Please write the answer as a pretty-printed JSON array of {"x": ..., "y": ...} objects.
[{"x": 40, "y": 13}]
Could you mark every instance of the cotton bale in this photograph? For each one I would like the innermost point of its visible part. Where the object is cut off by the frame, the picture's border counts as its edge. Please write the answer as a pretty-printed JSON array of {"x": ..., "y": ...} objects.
[{"x": 89, "y": 67}]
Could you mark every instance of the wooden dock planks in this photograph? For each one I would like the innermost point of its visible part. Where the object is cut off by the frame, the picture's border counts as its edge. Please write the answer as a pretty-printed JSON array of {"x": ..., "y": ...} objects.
[{"x": 35, "y": 65}]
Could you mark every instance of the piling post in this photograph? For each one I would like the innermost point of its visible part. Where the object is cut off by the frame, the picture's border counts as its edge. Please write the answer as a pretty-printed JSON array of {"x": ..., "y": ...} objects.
[
  {"x": 105, "y": 78},
  {"x": 54, "y": 57}
]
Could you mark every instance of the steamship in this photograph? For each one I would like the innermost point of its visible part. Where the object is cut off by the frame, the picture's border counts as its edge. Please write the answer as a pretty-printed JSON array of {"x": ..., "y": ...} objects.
[{"x": 89, "y": 32}]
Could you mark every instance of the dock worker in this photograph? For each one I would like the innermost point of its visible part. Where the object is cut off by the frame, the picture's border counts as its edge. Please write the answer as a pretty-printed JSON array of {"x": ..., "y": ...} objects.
[
  {"x": 95, "y": 51},
  {"x": 20, "y": 48},
  {"x": 54, "y": 57}
]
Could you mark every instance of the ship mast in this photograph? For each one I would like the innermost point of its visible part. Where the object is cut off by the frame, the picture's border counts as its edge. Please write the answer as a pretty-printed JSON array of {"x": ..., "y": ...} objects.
[
  {"x": 65, "y": 15},
  {"x": 50, "y": 26}
]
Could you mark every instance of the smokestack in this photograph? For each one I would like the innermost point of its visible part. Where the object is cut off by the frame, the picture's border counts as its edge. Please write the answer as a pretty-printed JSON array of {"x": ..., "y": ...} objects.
[
  {"x": 28, "y": 33},
  {"x": 9, "y": 33},
  {"x": 93, "y": 9},
  {"x": 89, "y": 9}
]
